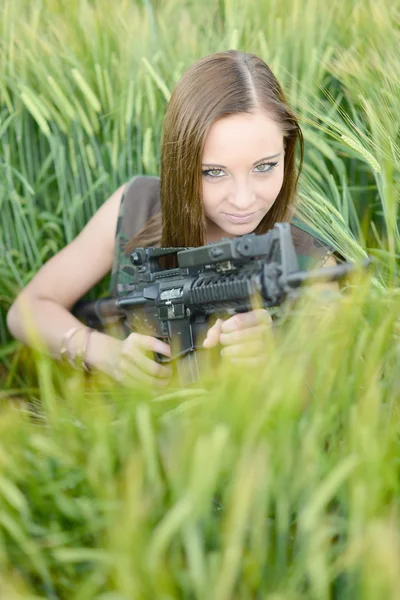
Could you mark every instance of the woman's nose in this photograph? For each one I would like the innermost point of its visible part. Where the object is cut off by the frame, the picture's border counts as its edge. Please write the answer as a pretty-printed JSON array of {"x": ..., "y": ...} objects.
[{"x": 243, "y": 197}]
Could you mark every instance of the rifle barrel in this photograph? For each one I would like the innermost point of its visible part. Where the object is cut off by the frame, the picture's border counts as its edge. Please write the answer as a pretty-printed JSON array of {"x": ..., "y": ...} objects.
[{"x": 324, "y": 274}]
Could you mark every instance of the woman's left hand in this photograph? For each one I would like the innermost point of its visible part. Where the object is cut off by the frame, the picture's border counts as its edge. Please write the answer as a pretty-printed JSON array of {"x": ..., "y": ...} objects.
[{"x": 242, "y": 336}]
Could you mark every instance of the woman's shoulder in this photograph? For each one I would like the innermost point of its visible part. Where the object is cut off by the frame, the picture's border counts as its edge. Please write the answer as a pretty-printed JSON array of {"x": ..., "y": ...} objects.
[
  {"x": 141, "y": 198},
  {"x": 145, "y": 184},
  {"x": 140, "y": 201}
]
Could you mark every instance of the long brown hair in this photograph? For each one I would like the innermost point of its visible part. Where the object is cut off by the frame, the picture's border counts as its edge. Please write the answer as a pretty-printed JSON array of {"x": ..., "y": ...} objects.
[{"x": 218, "y": 85}]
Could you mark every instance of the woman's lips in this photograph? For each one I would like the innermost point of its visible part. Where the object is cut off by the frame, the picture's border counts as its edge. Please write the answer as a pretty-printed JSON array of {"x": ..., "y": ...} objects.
[{"x": 239, "y": 218}]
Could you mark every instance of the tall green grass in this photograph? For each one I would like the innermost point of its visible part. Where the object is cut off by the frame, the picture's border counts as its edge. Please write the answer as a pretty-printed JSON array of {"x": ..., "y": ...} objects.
[
  {"x": 280, "y": 483},
  {"x": 87, "y": 93}
]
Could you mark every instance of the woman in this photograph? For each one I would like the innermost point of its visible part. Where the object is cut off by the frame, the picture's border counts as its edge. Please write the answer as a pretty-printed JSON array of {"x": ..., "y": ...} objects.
[{"x": 227, "y": 168}]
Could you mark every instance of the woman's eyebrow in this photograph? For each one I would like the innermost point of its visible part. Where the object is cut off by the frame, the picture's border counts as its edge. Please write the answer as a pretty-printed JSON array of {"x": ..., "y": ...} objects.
[{"x": 253, "y": 165}]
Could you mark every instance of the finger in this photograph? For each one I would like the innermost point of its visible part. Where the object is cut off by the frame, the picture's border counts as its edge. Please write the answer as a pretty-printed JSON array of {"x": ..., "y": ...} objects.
[
  {"x": 212, "y": 338},
  {"x": 248, "y": 362},
  {"x": 147, "y": 342},
  {"x": 245, "y": 320},
  {"x": 131, "y": 374},
  {"x": 243, "y": 335},
  {"x": 146, "y": 364},
  {"x": 250, "y": 348}
]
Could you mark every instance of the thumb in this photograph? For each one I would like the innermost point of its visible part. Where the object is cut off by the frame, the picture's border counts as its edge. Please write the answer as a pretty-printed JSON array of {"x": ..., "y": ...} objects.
[{"x": 212, "y": 338}]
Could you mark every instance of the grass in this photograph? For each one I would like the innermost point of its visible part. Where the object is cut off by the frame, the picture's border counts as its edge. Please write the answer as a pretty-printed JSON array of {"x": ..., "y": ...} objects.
[
  {"x": 283, "y": 484},
  {"x": 280, "y": 484}
]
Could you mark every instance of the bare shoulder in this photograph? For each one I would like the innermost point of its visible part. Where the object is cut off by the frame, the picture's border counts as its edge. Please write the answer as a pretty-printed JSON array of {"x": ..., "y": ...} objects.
[
  {"x": 330, "y": 262},
  {"x": 331, "y": 286}
]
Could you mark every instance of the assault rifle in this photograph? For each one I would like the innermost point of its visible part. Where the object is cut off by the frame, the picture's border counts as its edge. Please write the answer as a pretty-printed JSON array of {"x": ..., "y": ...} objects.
[{"x": 174, "y": 304}]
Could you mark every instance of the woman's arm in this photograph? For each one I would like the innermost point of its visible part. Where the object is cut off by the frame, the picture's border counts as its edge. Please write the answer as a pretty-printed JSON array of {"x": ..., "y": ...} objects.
[{"x": 43, "y": 306}]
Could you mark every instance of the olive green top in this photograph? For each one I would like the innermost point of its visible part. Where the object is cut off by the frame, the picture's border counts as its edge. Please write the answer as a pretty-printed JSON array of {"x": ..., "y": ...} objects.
[{"x": 141, "y": 201}]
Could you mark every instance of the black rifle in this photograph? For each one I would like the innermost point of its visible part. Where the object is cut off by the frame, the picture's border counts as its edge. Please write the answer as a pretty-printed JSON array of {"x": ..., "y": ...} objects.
[{"x": 174, "y": 304}]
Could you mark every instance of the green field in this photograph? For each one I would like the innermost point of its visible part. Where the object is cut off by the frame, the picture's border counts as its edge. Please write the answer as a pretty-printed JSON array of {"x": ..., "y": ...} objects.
[{"x": 279, "y": 484}]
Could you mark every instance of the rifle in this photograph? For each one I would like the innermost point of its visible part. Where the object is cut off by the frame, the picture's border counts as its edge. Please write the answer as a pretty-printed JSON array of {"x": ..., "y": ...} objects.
[{"x": 175, "y": 304}]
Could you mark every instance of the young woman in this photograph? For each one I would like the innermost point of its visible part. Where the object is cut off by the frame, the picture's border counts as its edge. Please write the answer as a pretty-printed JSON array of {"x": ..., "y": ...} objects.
[{"x": 228, "y": 167}]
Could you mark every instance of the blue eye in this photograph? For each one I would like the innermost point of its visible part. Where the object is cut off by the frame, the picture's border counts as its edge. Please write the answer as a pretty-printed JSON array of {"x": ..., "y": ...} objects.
[
  {"x": 266, "y": 167},
  {"x": 213, "y": 173}
]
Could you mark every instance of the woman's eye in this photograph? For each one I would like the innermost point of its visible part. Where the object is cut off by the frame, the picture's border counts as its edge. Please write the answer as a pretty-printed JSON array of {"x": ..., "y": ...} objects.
[
  {"x": 265, "y": 167},
  {"x": 218, "y": 173},
  {"x": 215, "y": 173}
]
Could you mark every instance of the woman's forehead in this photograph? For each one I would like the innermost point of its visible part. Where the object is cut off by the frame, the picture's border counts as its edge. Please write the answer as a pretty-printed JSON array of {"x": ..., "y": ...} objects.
[{"x": 245, "y": 134}]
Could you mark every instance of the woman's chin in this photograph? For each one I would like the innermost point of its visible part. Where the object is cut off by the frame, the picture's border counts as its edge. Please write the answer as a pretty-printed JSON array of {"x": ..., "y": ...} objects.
[
  {"x": 239, "y": 229},
  {"x": 231, "y": 230}
]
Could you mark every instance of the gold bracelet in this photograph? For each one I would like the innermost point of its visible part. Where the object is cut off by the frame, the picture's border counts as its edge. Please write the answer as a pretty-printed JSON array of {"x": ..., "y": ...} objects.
[
  {"x": 84, "y": 364},
  {"x": 79, "y": 359},
  {"x": 64, "y": 352}
]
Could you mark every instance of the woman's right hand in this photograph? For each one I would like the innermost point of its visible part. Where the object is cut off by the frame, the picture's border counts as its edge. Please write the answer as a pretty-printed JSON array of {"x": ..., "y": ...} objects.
[{"x": 134, "y": 362}]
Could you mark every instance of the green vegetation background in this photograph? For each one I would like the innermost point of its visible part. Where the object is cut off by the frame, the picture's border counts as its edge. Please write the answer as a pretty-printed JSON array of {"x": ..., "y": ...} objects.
[{"x": 281, "y": 484}]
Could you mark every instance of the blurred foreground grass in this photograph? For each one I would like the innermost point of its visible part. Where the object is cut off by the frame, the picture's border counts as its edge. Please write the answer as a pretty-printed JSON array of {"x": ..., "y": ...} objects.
[
  {"x": 279, "y": 484},
  {"x": 275, "y": 483}
]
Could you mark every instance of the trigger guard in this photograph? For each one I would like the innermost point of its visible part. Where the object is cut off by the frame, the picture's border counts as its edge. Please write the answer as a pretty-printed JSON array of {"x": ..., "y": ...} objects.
[{"x": 162, "y": 359}]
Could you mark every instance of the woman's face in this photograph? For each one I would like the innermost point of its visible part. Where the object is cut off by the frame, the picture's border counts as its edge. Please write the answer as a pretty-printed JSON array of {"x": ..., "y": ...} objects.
[{"x": 242, "y": 173}]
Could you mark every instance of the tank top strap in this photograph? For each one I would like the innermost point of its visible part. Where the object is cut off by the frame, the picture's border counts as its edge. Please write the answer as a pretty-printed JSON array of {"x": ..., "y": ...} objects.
[{"x": 139, "y": 202}]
